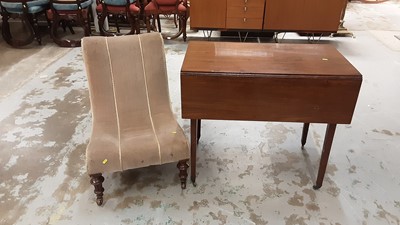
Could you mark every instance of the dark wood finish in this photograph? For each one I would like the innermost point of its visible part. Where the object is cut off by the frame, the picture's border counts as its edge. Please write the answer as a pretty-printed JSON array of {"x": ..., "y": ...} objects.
[
  {"x": 183, "y": 166},
  {"x": 304, "y": 135},
  {"x": 304, "y": 16},
  {"x": 298, "y": 83},
  {"x": 193, "y": 146},
  {"x": 198, "y": 130},
  {"x": 97, "y": 181},
  {"x": 326, "y": 149},
  {"x": 277, "y": 82},
  {"x": 207, "y": 14}
]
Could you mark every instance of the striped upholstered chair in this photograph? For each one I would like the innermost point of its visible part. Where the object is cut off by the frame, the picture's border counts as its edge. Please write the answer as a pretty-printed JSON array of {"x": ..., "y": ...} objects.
[{"x": 133, "y": 124}]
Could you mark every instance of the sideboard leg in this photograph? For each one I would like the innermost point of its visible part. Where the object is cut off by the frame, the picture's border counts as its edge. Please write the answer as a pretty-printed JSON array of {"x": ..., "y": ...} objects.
[
  {"x": 304, "y": 134},
  {"x": 193, "y": 146},
  {"x": 330, "y": 132}
]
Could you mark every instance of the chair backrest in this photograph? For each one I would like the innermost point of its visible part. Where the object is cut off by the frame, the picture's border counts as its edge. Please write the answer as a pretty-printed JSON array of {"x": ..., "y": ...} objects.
[
  {"x": 128, "y": 84},
  {"x": 70, "y": 4}
]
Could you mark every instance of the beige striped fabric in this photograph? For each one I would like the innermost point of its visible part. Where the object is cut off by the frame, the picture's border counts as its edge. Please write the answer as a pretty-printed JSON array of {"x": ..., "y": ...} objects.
[{"x": 133, "y": 124}]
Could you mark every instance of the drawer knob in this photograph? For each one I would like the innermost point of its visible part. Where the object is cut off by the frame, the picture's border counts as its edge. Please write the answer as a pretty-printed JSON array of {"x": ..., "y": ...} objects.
[
  {"x": 245, "y": 1},
  {"x": 244, "y": 20},
  {"x": 245, "y": 8}
]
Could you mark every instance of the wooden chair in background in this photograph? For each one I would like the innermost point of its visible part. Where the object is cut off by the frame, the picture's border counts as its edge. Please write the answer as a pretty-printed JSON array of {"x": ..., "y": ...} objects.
[
  {"x": 67, "y": 13},
  {"x": 27, "y": 11},
  {"x": 155, "y": 8},
  {"x": 118, "y": 10}
]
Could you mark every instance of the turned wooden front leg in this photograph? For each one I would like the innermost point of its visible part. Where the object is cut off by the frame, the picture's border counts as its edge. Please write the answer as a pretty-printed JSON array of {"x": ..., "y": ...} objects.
[
  {"x": 193, "y": 147},
  {"x": 97, "y": 181},
  {"x": 183, "y": 166},
  {"x": 326, "y": 149}
]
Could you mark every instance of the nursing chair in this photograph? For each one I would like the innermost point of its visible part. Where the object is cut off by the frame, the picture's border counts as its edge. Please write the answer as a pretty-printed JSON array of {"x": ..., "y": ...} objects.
[
  {"x": 28, "y": 11},
  {"x": 68, "y": 13},
  {"x": 133, "y": 124},
  {"x": 118, "y": 10},
  {"x": 155, "y": 8}
]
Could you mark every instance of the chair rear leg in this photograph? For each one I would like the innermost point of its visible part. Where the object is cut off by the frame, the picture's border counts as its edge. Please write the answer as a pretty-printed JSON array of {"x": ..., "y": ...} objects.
[
  {"x": 148, "y": 26},
  {"x": 184, "y": 22},
  {"x": 183, "y": 166},
  {"x": 69, "y": 24},
  {"x": 35, "y": 25},
  {"x": 97, "y": 181},
  {"x": 137, "y": 24},
  {"x": 116, "y": 23},
  {"x": 158, "y": 23}
]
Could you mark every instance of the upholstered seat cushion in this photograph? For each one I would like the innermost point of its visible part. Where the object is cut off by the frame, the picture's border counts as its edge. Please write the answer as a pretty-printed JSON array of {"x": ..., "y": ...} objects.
[
  {"x": 133, "y": 124},
  {"x": 151, "y": 8},
  {"x": 33, "y": 6},
  {"x": 67, "y": 12},
  {"x": 119, "y": 9},
  {"x": 72, "y": 6},
  {"x": 117, "y": 2}
]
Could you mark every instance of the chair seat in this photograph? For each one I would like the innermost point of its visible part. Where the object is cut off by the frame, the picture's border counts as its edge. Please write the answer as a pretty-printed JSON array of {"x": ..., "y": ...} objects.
[
  {"x": 151, "y": 8},
  {"x": 117, "y": 2},
  {"x": 67, "y": 12},
  {"x": 138, "y": 149},
  {"x": 33, "y": 6},
  {"x": 72, "y": 6},
  {"x": 118, "y": 9}
]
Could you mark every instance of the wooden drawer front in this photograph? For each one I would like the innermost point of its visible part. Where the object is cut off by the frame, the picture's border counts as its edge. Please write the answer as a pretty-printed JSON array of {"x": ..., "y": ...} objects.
[
  {"x": 244, "y": 23},
  {"x": 245, "y": 12},
  {"x": 259, "y": 3}
]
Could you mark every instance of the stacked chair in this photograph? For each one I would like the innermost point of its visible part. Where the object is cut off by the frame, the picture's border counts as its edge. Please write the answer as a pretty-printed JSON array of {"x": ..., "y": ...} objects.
[
  {"x": 118, "y": 10},
  {"x": 28, "y": 11},
  {"x": 71, "y": 13},
  {"x": 66, "y": 13},
  {"x": 155, "y": 8}
]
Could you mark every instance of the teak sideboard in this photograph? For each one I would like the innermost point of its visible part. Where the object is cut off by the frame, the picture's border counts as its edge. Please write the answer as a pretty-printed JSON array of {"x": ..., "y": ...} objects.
[{"x": 313, "y": 16}]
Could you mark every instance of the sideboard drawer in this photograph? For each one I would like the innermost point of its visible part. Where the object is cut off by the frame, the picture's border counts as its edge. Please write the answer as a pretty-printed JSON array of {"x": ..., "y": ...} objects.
[
  {"x": 245, "y": 11},
  {"x": 244, "y": 23},
  {"x": 258, "y": 3}
]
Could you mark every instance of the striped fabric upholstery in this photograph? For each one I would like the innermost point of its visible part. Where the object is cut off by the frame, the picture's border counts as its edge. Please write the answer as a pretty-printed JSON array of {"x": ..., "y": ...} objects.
[{"x": 133, "y": 124}]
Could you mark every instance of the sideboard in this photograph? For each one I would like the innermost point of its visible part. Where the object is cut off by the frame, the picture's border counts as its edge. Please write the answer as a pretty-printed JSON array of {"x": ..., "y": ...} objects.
[{"x": 313, "y": 16}]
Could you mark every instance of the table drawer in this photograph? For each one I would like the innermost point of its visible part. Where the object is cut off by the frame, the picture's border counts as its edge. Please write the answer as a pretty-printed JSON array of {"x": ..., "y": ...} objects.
[{"x": 244, "y": 23}]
